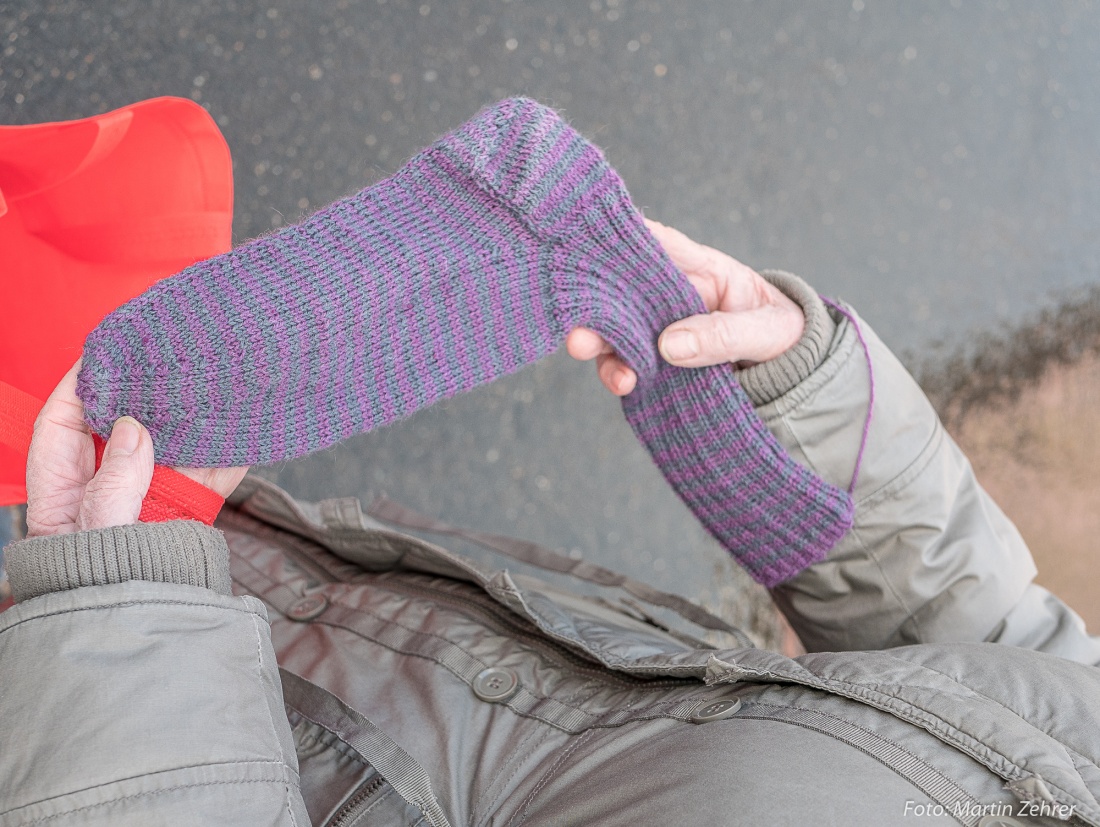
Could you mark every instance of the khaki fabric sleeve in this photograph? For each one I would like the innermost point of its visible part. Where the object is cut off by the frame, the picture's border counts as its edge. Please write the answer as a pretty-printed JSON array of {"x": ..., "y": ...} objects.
[
  {"x": 144, "y": 703},
  {"x": 930, "y": 558},
  {"x": 137, "y": 688}
]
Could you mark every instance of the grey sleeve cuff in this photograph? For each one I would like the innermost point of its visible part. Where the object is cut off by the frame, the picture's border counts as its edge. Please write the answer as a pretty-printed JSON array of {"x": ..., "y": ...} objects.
[
  {"x": 180, "y": 551},
  {"x": 767, "y": 381}
]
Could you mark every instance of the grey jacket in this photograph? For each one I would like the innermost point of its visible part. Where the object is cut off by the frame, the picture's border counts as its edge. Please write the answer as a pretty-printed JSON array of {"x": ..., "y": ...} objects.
[{"x": 358, "y": 675}]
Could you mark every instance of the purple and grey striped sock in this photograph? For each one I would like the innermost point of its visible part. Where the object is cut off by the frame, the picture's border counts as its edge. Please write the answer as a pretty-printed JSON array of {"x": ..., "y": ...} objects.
[{"x": 474, "y": 259}]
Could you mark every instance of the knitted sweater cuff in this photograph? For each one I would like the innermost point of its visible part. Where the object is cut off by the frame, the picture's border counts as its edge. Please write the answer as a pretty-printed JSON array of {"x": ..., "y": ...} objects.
[
  {"x": 181, "y": 551},
  {"x": 767, "y": 381}
]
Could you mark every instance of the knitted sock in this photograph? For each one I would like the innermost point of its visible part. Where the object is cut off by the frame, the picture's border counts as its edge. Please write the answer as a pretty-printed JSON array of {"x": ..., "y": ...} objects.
[{"x": 474, "y": 259}]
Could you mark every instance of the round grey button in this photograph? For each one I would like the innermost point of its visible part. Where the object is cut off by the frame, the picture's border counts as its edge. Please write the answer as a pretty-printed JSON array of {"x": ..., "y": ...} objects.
[
  {"x": 716, "y": 710},
  {"x": 495, "y": 684},
  {"x": 307, "y": 607},
  {"x": 999, "y": 821}
]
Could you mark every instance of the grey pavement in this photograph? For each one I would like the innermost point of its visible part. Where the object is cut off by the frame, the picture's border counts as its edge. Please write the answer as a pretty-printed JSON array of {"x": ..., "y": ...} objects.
[{"x": 935, "y": 163}]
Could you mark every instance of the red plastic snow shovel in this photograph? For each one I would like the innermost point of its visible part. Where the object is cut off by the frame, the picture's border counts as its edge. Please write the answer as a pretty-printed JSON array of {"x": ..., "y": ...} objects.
[{"x": 92, "y": 212}]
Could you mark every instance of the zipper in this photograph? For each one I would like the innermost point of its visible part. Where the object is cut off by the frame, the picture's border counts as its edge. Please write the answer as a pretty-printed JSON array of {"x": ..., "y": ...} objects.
[{"x": 353, "y": 806}]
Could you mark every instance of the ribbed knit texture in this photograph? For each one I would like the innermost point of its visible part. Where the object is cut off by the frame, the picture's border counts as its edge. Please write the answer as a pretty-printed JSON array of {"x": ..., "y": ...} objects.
[
  {"x": 183, "y": 552},
  {"x": 474, "y": 259}
]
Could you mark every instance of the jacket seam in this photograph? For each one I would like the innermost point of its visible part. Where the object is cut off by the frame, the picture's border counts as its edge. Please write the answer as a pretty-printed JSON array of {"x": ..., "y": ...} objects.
[
  {"x": 604, "y": 659},
  {"x": 906, "y": 478},
  {"x": 1078, "y": 759},
  {"x": 598, "y": 671},
  {"x": 313, "y": 739},
  {"x": 910, "y": 472},
  {"x": 152, "y": 793},
  {"x": 125, "y": 604},
  {"x": 877, "y": 696},
  {"x": 936, "y": 723},
  {"x": 651, "y": 710},
  {"x": 334, "y": 601},
  {"x": 271, "y": 719},
  {"x": 900, "y": 481},
  {"x": 873, "y": 555},
  {"x": 433, "y": 659},
  {"x": 548, "y": 775},
  {"x": 289, "y": 808},
  {"x": 542, "y": 734},
  {"x": 593, "y": 673},
  {"x": 891, "y": 741},
  {"x": 417, "y": 632}
]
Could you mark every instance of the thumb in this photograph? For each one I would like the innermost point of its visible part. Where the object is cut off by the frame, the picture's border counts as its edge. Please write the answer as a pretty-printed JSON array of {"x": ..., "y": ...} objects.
[
  {"x": 113, "y": 496},
  {"x": 755, "y": 335}
]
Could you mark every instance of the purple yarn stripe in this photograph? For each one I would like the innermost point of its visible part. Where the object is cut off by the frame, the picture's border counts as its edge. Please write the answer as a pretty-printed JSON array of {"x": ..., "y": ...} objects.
[
  {"x": 345, "y": 396},
  {"x": 475, "y": 259},
  {"x": 369, "y": 297},
  {"x": 323, "y": 430}
]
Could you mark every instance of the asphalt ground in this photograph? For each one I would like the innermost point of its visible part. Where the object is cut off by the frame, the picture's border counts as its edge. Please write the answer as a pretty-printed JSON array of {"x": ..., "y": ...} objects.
[{"x": 933, "y": 163}]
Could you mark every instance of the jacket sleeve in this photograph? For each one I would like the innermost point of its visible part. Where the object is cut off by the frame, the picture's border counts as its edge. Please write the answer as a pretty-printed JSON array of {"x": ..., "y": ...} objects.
[
  {"x": 140, "y": 701},
  {"x": 931, "y": 558}
]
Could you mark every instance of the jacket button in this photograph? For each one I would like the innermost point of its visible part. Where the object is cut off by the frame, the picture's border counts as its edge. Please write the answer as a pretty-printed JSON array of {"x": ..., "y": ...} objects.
[
  {"x": 716, "y": 711},
  {"x": 307, "y": 608},
  {"x": 495, "y": 684}
]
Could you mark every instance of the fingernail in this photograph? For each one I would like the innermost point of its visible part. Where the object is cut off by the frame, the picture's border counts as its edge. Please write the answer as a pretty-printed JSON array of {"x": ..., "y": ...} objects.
[
  {"x": 679, "y": 344},
  {"x": 618, "y": 378},
  {"x": 624, "y": 382},
  {"x": 125, "y": 436}
]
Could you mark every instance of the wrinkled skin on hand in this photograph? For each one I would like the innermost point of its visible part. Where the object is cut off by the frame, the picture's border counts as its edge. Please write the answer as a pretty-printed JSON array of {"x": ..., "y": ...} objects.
[
  {"x": 66, "y": 494},
  {"x": 748, "y": 320}
]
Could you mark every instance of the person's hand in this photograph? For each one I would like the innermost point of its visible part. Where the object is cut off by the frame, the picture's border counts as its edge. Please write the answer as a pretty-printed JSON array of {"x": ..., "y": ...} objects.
[
  {"x": 748, "y": 320},
  {"x": 64, "y": 491}
]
